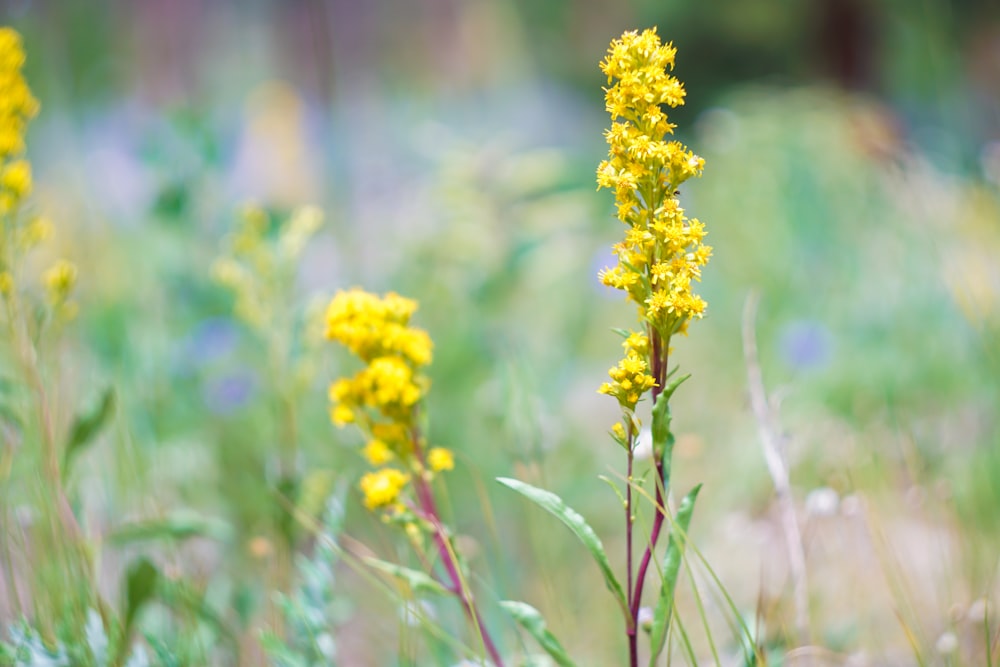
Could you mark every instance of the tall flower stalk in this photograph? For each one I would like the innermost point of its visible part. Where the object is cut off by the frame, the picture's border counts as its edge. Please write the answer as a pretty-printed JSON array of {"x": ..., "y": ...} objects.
[
  {"x": 384, "y": 400},
  {"x": 659, "y": 259}
]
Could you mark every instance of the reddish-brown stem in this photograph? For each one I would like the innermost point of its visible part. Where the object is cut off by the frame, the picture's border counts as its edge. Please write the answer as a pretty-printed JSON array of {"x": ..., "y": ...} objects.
[
  {"x": 425, "y": 498},
  {"x": 632, "y": 631}
]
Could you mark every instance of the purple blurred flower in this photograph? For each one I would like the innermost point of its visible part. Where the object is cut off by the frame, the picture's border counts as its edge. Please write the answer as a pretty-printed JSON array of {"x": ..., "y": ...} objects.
[
  {"x": 806, "y": 344},
  {"x": 231, "y": 392}
]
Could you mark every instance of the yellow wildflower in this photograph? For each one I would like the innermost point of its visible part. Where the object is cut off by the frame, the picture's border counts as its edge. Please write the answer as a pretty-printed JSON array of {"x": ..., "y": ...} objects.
[
  {"x": 60, "y": 280},
  {"x": 341, "y": 415},
  {"x": 37, "y": 231},
  {"x": 6, "y": 283},
  {"x": 439, "y": 459},
  {"x": 377, "y": 452},
  {"x": 16, "y": 179},
  {"x": 382, "y": 487}
]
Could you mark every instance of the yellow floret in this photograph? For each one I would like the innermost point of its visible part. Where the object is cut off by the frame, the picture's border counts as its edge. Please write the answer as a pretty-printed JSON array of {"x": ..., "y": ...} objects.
[
  {"x": 439, "y": 459},
  {"x": 382, "y": 487}
]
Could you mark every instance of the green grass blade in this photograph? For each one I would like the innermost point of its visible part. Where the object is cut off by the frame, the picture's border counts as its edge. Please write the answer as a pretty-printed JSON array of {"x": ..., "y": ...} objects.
[
  {"x": 671, "y": 568},
  {"x": 555, "y": 505},
  {"x": 701, "y": 612},
  {"x": 531, "y": 620}
]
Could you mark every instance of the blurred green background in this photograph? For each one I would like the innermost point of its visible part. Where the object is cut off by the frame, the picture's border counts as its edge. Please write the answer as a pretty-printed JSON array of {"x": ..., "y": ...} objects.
[{"x": 852, "y": 178}]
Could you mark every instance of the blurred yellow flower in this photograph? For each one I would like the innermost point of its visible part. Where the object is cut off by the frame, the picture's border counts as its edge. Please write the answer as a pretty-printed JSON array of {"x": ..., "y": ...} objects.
[
  {"x": 382, "y": 487},
  {"x": 439, "y": 459},
  {"x": 16, "y": 179},
  {"x": 60, "y": 280},
  {"x": 377, "y": 330},
  {"x": 377, "y": 452}
]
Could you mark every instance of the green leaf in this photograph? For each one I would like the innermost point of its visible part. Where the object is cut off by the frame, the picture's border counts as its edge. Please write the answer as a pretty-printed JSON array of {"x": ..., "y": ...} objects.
[
  {"x": 88, "y": 425},
  {"x": 532, "y": 621},
  {"x": 417, "y": 581},
  {"x": 9, "y": 415},
  {"x": 671, "y": 567},
  {"x": 140, "y": 587},
  {"x": 180, "y": 526},
  {"x": 555, "y": 505}
]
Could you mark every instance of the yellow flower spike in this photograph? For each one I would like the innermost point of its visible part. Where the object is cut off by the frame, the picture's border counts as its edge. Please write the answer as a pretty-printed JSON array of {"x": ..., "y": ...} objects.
[
  {"x": 382, "y": 487},
  {"x": 663, "y": 250},
  {"x": 439, "y": 459}
]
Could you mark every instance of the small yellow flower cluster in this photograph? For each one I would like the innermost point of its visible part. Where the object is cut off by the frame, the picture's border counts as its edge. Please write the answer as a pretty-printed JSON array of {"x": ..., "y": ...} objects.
[
  {"x": 59, "y": 281},
  {"x": 17, "y": 107},
  {"x": 258, "y": 265},
  {"x": 631, "y": 378},
  {"x": 662, "y": 252},
  {"x": 382, "y": 487},
  {"x": 383, "y": 397}
]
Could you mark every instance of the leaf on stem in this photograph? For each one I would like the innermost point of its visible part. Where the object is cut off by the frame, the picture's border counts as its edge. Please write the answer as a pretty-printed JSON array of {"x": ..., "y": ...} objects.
[
  {"x": 86, "y": 426},
  {"x": 671, "y": 568},
  {"x": 662, "y": 438},
  {"x": 141, "y": 582},
  {"x": 531, "y": 620},
  {"x": 417, "y": 581},
  {"x": 555, "y": 505}
]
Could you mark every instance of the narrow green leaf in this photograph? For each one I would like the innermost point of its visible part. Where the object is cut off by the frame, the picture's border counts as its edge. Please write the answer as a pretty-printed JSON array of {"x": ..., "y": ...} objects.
[
  {"x": 555, "y": 505},
  {"x": 614, "y": 487},
  {"x": 417, "y": 581},
  {"x": 671, "y": 567},
  {"x": 532, "y": 621},
  {"x": 88, "y": 425},
  {"x": 180, "y": 526}
]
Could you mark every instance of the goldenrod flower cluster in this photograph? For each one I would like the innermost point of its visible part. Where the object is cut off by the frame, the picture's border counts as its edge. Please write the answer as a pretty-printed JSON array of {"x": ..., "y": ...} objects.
[
  {"x": 260, "y": 262},
  {"x": 20, "y": 233},
  {"x": 631, "y": 378},
  {"x": 383, "y": 397},
  {"x": 662, "y": 253}
]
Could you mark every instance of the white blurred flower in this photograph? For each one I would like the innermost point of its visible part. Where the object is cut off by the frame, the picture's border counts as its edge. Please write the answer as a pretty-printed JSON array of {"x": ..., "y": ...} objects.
[
  {"x": 823, "y": 501},
  {"x": 946, "y": 643}
]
